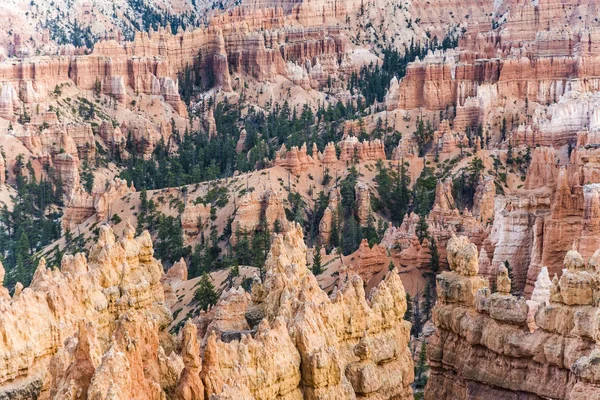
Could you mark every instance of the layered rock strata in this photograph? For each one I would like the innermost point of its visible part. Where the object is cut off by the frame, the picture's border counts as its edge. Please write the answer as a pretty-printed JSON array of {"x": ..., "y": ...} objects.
[{"x": 484, "y": 346}]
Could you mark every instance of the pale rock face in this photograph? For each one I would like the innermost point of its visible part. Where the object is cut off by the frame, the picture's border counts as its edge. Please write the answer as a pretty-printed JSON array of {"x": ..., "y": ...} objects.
[
  {"x": 542, "y": 170},
  {"x": 503, "y": 281},
  {"x": 462, "y": 256},
  {"x": 326, "y": 223},
  {"x": 112, "y": 136},
  {"x": 250, "y": 208},
  {"x": 306, "y": 345},
  {"x": 352, "y": 148},
  {"x": 9, "y": 101},
  {"x": 478, "y": 344},
  {"x": 190, "y": 385},
  {"x": 241, "y": 143},
  {"x": 4, "y": 295},
  {"x": 541, "y": 291},
  {"x": 175, "y": 275},
  {"x": 72, "y": 367},
  {"x": 82, "y": 205},
  {"x": 483, "y": 201},
  {"x": 539, "y": 296},
  {"x": 66, "y": 168},
  {"x": 329, "y": 154},
  {"x": 195, "y": 217},
  {"x": 443, "y": 197},
  {"x": 295, "y": 160},
  {"x": 363, "y": 201},
  {"x": 118, "y": 291}
]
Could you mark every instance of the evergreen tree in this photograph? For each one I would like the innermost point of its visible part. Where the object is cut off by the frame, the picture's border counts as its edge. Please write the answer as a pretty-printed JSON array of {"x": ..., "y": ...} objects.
[
  {"x": 424, "y": 192},
  {"x": 434, "y": 261},
  {"x": 408, "y": 315},
  {"x": 393, "y": 190},
  {"x": 421, "y": 367},
  {"x": 205, "y": 295},
  {"x": 317, "y": 268},
  {"x": 429, "y": 300},
  {"x": 234, "y": 272},
  {"x": 277, "y": 226},
  {"x": 369, "y": 232},
  {"x": 422, "y": 229},
  {"x": 423, "y": 136},
  {"x": 334, "y": 237},
  {"x": 87, "y": 178},
  {"x": 352, "y": 236},
  {"x": 241, "y": 248},
  {"x": 417, "y": 320},
  {"x": 169, "y": 246}
]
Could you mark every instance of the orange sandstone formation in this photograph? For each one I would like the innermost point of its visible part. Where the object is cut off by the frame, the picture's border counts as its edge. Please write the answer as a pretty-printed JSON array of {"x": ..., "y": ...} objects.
[
  {"x": 305, "y": 344},
  {"x": 117, "y": 291},
  {"x": 96, "y": 330},
  {"x": 483, "y": 347},
  {"x": 251, "y": 208}
]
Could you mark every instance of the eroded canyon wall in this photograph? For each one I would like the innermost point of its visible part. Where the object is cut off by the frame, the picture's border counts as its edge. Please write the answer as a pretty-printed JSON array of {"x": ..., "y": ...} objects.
[{"x": 496, "y": 345}]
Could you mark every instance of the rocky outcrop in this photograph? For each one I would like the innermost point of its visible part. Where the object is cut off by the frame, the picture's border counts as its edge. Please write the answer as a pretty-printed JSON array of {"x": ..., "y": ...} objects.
[
  {"x": 485, "y": 347},
  {"x": 113, "y": 137},
  {"x": 307, "y": 345},
  {"x": 251, "y": 208},
  {"x": 371, "y": 260},
  {"x": 354, "y": 150},
  {"x": 363, "y": 203},
  {"x": 66, "y": 169},
  {"x": 118, "y": 292},
  {"x": 295, "y": 160},
  {"x": 83, "y": 205},
  {"x": 329, "y": 154},
  {"x": 542, "y": 172},
  {"x": 195, "y": 217},
  {"x": 329, "y": 215},
  {"x": 483, "y": 201},
  {"x": 190, "y": 385}
]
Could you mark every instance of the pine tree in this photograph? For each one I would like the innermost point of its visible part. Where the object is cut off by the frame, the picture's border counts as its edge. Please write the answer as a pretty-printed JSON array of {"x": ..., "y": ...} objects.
[
  {"x": 434, "y": 261},
  {"x": 334, "y": 237},
  {"x": 241, "y": 248},
  {"x": 205, "y": 294},
  {"x": 429, "y": 301},
  {"x": 317, "y": 268},
  {"x": 409, "y": 309},
  {"x": 421, "y": 367},
  {"x": 234, "y": 272},
  {"x": 422, "y": 229},
  {"x": 417, "y": 320},
  {"x": 277, "y": 226},
  {"x": 352, "y": 236}
]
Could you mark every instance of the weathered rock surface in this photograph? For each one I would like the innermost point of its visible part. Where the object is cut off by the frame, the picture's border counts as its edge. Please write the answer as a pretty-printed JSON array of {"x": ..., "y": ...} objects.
[
  {"x": 57, "y": 330},
  {"x": 485, "y": 347},
  {"x": 309, "y": 345},
  {"x": 251, "y": 208}
]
